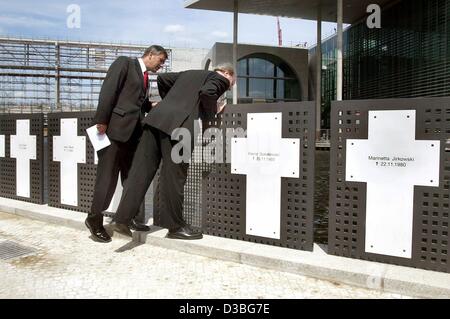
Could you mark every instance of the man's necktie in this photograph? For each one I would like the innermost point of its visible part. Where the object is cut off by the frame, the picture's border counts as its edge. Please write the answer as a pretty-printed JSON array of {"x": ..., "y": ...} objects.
[{"x": 146, "y": 81}]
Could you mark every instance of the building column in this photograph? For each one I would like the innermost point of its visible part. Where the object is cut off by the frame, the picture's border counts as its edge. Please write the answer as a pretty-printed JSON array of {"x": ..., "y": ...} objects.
[
  {"x": 340, "y": 50},
  {"x": 235, "y": 48},
  {"x": 319, "y": 73}
]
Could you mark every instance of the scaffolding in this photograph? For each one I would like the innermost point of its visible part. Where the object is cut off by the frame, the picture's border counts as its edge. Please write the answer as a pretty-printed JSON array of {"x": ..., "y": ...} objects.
[{"x": 53, "y": 76}]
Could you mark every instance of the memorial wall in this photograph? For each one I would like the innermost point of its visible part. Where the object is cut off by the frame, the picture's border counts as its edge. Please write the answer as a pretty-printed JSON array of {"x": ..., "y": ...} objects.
[{"x": 252, "y": 178}]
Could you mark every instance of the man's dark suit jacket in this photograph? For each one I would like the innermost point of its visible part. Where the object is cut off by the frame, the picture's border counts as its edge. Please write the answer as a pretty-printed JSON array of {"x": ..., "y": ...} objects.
[
  {"x": 190, "y": 94},
  {"x": 122, "y": 102}
]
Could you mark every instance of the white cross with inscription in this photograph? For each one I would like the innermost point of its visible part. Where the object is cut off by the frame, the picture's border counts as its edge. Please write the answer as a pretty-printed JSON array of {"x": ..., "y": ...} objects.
[
  {"x": 392, "y": 162},
  {"x": 2, "y": 145},
  {"x": 70, "y": 150},
  {"x": 265, "y": 157},
  {"x": 23, "y": 149}
]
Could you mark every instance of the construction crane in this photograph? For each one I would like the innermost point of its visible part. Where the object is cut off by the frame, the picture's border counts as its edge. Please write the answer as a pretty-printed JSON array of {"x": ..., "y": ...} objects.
[{"x": 280, "y": 33}]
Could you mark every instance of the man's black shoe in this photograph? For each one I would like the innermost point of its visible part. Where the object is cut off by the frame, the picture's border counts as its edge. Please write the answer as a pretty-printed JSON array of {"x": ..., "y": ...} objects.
[
  {"x": 185, "y": 232},
  {"x": 98, "y": 233},
  {"x": 134, "y": 225},
  {"x": 122, "y": 229}
]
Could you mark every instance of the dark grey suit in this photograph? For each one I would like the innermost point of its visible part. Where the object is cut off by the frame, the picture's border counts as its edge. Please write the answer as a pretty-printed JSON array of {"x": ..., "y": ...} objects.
[
  {"x": 186, "y": 96},
  {"x": 122, "y": 105}
]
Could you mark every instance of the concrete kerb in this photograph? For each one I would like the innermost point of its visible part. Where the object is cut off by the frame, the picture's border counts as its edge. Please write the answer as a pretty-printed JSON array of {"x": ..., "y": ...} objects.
[
  {"x": 316, "y": 264},
  {"x": 417, "y": 282}
]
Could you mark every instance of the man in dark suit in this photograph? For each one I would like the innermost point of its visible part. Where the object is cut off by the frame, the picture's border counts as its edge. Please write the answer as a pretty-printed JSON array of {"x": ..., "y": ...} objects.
[
  {"x": 123, "y": 102},
  {"x": 186, "y": 96}
]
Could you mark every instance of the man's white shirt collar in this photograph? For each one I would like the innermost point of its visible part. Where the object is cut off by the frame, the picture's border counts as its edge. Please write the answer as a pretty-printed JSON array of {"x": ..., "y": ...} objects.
[{"x": 141, "y": 63}]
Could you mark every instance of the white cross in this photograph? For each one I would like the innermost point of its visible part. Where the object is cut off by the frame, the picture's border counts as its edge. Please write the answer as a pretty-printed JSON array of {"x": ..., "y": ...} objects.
[
  {"x": 390, "y": 182},
  {"x": 2, "y": 145},
  {"x": 264, "y": 157},
  {"x": 70, "y": 150},
  {"x": 23, "y": 149},
  {"x": 116, "y": 198},
  {"x": 114, "y": 204}
]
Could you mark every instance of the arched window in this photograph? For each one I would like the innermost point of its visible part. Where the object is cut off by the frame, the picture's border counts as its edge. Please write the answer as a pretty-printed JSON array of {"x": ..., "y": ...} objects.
[{"x": 266, "y": 78}]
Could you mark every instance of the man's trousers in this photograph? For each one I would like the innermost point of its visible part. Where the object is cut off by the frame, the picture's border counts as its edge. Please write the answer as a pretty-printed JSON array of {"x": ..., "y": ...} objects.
[
  {"x": 113, "y": 159},
  {"x": 155, "y": 146}
]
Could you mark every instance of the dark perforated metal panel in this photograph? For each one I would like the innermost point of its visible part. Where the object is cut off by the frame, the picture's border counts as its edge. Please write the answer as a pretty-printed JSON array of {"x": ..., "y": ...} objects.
[
  {"x": 224, "y": 194},
  {"x": 86, "y": 172},
  {"x": 8, "y": 164},
  {"x": 348, "y": 200}
]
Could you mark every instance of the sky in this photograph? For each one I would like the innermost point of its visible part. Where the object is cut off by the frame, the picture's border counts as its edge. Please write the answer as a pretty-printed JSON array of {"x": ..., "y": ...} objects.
[{"x": 163, "y": 22}]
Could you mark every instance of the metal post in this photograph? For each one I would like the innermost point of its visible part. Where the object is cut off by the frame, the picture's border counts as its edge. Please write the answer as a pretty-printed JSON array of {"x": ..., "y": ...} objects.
[
  {"x": 340, "y": 45},
  {"x": 235, "y": 40},
  {"x": 319, "y": 73},
  {"x": 87, "y": 57},
  {"x": 57, "y": 76},
  {"x": 27, "y": 55}
]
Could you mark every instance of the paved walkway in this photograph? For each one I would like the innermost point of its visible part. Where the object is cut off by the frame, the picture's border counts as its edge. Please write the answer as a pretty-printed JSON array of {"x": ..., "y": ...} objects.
[{"x": 67, "y": 264}]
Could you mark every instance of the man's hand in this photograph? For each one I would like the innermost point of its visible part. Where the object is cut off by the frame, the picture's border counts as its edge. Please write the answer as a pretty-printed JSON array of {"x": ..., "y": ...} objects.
[
  {"x": 221, "y": 106},
  {"x": 101, "y": 128},
  {"x": 222, "y": 101}
]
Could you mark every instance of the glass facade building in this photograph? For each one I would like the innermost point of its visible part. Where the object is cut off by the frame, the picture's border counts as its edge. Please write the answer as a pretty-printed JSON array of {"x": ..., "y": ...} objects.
[{"x": 408, "y": 57}]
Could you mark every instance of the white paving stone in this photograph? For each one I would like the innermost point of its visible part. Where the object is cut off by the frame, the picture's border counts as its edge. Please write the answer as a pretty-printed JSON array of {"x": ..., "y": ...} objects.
[{"x": 70, "y": 265}]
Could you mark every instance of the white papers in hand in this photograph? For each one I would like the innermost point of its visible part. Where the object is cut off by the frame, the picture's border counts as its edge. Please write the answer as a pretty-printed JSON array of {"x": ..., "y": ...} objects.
[{"x": 99, "y": 141}]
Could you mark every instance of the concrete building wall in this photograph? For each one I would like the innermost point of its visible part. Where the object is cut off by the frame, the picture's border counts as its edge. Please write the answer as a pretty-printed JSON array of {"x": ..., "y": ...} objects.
[{"x": 187, "y": 58}]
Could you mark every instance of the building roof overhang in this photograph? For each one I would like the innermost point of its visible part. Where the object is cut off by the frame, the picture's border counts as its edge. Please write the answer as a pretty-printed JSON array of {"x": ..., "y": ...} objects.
[{"x": 354, "y": 10}]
